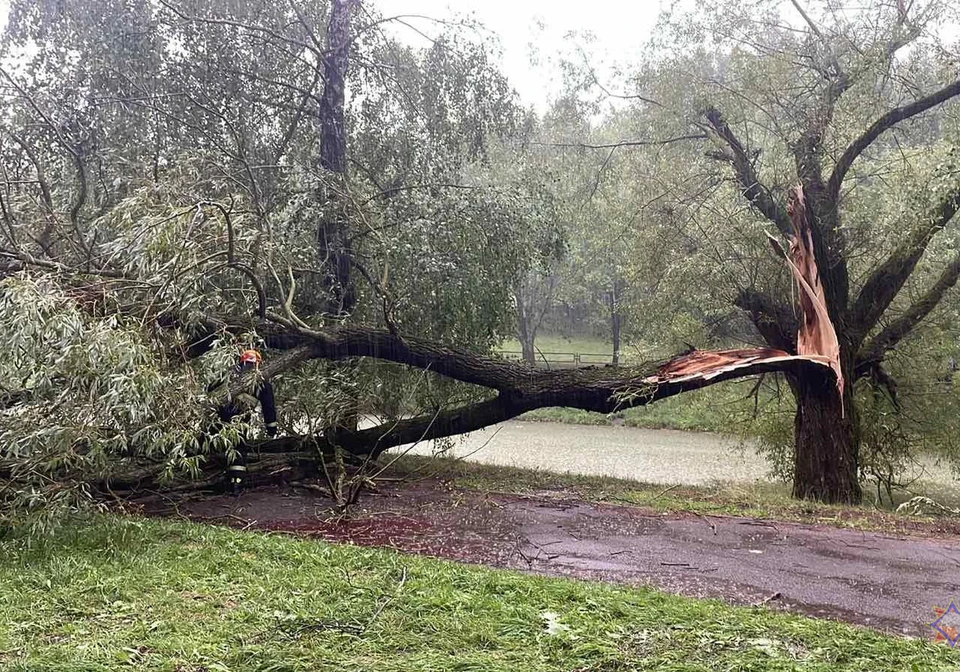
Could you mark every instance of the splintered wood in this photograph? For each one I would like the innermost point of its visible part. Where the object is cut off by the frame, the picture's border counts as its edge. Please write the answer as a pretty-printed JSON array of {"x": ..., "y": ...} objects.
[{"x": 817, "y": 339}]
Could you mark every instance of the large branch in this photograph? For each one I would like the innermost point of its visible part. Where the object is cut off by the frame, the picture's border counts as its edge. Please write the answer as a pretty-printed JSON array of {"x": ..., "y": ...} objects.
[
  {"x": 874, "y": 351},
  {"x": 375, "y": 440},
  {"x": 886, "y": 281},
  {"x": 740, "y": 160},
  {"x": 881, "y": 125},
  {"x": 775, "y": 321},
  {"x": 598, "y": 390},
  {"x": 520, "y": 388}
]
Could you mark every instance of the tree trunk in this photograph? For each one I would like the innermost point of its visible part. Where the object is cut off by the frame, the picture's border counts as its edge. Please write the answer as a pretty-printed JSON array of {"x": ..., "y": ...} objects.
[
  {"x": 333, "y": 231},
  {"x": 333, "y": 235},
  {"x": 526, "y": 330},
  {"x": 826, "y": 442},
  {"x": 529, "y": 351},
  {"x": 616, "y": 319}
]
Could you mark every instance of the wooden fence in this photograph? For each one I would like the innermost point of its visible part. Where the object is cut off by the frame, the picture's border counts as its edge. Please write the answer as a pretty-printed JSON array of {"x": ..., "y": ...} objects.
[{"x": 562, "y": 360}]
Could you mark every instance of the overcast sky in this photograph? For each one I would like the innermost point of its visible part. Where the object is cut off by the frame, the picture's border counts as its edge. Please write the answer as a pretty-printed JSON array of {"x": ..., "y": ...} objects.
[
  {"x": 539, "y": 26},
  {"x": 522, "y": 25}
]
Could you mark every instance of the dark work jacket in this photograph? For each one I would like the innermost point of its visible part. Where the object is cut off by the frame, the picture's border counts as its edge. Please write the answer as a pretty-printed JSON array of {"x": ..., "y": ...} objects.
[{"x": 244, "y": 402}]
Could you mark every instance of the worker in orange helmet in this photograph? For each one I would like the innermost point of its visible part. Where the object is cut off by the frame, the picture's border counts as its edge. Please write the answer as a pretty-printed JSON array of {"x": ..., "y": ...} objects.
[{"x": 256, "y": 391}]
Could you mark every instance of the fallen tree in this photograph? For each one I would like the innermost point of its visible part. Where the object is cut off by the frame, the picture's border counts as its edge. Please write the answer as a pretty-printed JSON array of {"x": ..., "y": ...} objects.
[
  {"x": 133, "y": 238},
  {"x": 514, "y": 388}
]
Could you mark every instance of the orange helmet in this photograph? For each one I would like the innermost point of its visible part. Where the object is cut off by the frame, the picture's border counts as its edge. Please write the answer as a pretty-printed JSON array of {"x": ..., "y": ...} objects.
[{"x": 250, "y": 356}]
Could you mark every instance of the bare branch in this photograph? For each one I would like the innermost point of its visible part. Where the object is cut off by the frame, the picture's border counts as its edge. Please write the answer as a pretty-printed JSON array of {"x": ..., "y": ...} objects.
[
  {"x": 756, "y": 193},
  {"x": 243, "y": 268},
  {"x": 901, "y": 327},
  {"x": 886, "y": 281},
  {"x": 29, "y": 260},
  {"x": 244, "y": 26},
  {"x": 623, "y": 143},
  {"x": 881, "y": 125}
]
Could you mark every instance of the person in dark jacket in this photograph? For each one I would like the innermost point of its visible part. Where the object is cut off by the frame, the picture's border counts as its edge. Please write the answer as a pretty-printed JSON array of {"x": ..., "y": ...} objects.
[{"x": 242, "y": 405}]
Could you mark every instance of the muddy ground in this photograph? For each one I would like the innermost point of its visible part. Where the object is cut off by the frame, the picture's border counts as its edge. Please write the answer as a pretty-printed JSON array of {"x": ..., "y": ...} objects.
[{"x": 887, "y": 582}]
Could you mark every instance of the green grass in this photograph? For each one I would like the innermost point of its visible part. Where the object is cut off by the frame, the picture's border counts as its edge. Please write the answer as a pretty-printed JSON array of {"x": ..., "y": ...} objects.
[
  {"x": 754, "y": 500},
  {"x": 551, "y": 343},
  {"x": 126, "y": 594}
]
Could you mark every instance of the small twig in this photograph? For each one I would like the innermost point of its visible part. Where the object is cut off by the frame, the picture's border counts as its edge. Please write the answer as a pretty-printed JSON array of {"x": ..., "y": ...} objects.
[
  {"x": 520, "y": 552},
  {"x": 311, "y": 486},
  {"x": 541, "y": 550},
  {"x": 665, "y": 491},
  {"x": 383, "y": 605},
  {"x": 775, "y": 596}
]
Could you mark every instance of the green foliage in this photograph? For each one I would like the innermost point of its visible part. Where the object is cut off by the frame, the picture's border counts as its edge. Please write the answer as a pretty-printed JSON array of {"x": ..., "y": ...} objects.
[
  {"x": 120, "y": 593},
  {"x": 157, "y": 156},
  {"x": 95, "y": 397}
]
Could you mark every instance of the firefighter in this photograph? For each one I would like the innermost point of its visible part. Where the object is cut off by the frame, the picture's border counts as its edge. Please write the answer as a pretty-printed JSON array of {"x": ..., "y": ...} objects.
[{"x": 242, "y": 405}]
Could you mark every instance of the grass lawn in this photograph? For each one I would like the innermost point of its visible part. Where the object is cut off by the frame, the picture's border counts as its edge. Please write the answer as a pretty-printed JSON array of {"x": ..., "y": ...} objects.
[
  {"x": 126, "y": 594},
  {"x": 587, "y": 346}
]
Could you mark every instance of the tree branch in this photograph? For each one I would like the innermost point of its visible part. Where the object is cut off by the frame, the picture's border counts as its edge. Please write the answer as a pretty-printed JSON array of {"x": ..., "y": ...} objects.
[
  {"x": 592, "y": 389},
  {"x": 886, "y": 281},
  {"x": 245, "y": 26},
  {"x": 756, "y": 193},
  {"x": 600, "y": 390},
  {"x": 233, "y": 263},
  {"x": 874, "y": 352},
  {"x": 375, "y": 440},
  {"x": 623, "y": 143},
  {"x": 881, "y": 125},
  {"x": 775, "y": 321}
]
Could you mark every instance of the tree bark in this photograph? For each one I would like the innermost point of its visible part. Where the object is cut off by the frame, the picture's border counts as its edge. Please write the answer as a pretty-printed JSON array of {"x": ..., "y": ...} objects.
[
  {"x": 616, "y": 319},
  {"x": 333, "y": 234},
  {"x": 528, "y": 350},
  {"x": 826, "y": 442},
  {"x": 526, "y": 333}
]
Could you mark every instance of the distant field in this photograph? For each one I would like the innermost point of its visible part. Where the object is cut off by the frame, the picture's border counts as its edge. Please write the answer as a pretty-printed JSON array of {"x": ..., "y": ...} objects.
[
  {"x": 724, "y": 408},
  {"x": 583, "y": 346}
]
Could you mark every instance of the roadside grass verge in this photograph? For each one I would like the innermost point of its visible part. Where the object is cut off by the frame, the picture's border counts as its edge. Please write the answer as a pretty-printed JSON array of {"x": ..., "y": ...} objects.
[
  {"x": 753, "y": 500},
  {"x": 115, "y": 593}
]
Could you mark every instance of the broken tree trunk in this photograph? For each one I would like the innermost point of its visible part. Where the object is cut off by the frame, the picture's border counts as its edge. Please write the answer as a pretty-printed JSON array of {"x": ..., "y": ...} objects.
[
  {"x": 826, "y": 440},
  {"x": 518, "y": 388}
]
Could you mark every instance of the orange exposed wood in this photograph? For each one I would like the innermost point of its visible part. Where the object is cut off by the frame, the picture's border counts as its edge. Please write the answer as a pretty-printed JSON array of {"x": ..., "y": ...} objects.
[{"x": 817, "y": 339}]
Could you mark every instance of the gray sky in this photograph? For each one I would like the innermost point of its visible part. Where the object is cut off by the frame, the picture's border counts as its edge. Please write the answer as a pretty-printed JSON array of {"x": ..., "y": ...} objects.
[
  {"x": 538, "y": 27},
  {"x": 532, "y": 27}
]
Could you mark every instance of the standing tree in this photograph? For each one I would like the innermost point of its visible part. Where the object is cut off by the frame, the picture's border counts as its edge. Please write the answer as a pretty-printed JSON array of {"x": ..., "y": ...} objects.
[{"x": 831, "y": 98}]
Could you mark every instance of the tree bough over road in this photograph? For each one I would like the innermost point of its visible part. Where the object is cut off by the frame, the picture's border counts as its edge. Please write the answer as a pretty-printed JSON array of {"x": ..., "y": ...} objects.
[{"x": 161, "y": 205}]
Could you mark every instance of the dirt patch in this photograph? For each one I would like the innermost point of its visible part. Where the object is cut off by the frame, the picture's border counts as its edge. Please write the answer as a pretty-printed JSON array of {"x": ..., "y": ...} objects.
[{"x": 878, "y": 580}]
